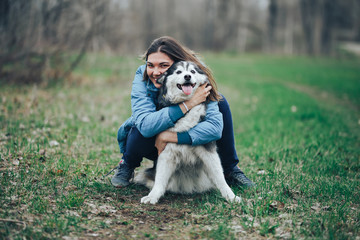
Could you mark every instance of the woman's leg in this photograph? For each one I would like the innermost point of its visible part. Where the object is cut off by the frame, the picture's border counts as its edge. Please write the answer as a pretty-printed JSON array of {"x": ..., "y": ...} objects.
[
  {"x": 137, "y": 147},
  {"x": 227, "y": 151},
  {"x": 226, "y": 145}
]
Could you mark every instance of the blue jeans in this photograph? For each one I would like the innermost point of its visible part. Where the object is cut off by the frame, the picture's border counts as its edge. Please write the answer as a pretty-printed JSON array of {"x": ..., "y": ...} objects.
[{"x": 138, "y": 147}]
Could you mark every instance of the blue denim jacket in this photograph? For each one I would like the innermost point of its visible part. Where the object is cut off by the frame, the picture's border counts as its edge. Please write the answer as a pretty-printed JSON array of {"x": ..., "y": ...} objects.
[{"x": 150, "y": 122}]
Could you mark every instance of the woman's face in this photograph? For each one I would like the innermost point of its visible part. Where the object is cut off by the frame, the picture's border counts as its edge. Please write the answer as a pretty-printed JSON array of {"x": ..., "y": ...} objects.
[{"x": 157, "y": 64}]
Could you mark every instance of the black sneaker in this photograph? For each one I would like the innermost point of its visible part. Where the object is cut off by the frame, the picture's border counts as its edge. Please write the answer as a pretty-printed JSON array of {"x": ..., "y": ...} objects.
[
  {"x": 237, "y": 178},
  {"x": 122, "y": 176}
]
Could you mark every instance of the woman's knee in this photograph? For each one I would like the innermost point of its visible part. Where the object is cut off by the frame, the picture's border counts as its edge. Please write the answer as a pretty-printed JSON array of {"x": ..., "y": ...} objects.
[
  {"x": 138, "y": 145},
  {"x": 224, "y": 106}
]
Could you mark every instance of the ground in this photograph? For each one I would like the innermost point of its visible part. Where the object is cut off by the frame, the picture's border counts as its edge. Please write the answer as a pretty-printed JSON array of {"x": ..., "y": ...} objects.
[{"x": 297, "y": 130}]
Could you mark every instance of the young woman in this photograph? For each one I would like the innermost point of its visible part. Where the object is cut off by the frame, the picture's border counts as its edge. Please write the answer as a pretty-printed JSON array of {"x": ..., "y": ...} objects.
[{"x": 145, "y": 133}]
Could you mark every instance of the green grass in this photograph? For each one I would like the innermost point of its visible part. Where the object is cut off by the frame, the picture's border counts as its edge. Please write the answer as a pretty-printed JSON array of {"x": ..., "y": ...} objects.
[{"x": 297, "y": 130}]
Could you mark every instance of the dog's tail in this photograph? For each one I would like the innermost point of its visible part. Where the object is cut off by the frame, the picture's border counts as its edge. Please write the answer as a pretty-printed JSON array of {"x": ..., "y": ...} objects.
[{"x": 146, "y": 177}]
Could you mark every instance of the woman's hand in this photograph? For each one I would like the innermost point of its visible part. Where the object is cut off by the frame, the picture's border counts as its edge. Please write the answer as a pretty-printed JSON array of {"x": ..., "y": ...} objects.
[
  {"x": 164, "y": 138},
  {"x": 199, "y": 96}
]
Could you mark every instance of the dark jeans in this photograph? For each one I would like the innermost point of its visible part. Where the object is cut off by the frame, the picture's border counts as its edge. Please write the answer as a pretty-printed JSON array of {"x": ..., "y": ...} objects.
[{"x": 138, "y": 146}]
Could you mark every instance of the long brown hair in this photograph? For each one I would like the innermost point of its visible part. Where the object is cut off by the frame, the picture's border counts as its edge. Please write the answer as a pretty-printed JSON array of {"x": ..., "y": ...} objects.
[{"x": 177, "y": 52}]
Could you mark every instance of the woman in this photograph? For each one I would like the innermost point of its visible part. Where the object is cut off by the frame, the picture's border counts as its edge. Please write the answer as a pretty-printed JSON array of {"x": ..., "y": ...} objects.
[{"x": 145, "y": 133}]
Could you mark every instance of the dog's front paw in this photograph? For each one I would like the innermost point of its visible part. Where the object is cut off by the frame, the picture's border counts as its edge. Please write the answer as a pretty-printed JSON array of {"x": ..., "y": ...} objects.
[
  {"x": 148, "y": 199},
  {"x": 234, "y": 199}
]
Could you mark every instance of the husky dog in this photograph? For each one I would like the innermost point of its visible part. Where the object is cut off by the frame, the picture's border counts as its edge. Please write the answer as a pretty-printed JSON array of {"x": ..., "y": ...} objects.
[{"x": 183, "y": 168}]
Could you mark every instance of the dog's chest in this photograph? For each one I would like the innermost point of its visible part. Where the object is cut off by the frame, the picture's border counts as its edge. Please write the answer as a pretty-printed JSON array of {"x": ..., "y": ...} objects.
[{"x": 190, "y": 120}]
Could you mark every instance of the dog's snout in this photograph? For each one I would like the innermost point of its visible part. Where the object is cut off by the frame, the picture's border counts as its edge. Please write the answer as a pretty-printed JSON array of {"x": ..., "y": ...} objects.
[{"x": 187, "y": 77}]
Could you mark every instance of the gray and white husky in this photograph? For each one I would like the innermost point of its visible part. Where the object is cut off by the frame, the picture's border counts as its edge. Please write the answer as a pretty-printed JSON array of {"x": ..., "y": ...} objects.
[{"x": 184, "y": 168}]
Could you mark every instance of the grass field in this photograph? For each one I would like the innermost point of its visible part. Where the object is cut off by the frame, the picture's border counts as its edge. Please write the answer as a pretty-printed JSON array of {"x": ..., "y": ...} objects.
[{"x": 297, "y": 130}]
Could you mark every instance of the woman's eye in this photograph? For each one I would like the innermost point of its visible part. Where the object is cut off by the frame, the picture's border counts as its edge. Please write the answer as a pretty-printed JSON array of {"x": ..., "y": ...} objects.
[
  {"x": 193, "y": 71},
  {"x": 178, "y": 72}
]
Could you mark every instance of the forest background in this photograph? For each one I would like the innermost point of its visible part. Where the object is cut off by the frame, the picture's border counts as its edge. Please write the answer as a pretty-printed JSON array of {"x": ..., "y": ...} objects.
[{"x": 37, "y": 35}]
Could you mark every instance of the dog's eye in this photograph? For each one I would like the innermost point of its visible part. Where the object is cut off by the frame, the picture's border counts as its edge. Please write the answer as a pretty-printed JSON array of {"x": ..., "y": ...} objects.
[
  {"x": 193, "y": 71},
  {"x": 178, "y": 72}
]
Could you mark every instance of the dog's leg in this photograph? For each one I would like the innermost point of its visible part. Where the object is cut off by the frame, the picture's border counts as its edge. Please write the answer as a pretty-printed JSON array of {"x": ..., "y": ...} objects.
[
  {"x": 165, "y": 168},
  {"x": 213, "y": 168}
]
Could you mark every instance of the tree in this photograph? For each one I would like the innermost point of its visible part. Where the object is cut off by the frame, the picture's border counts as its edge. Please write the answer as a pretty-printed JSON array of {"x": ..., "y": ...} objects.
[
  {"x": 37, "y": 34},
  {"x": 325, "y": 22}
]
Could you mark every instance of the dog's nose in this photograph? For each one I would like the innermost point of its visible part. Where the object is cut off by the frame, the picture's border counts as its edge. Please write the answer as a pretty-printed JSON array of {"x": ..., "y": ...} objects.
[{"x": 187, "y": 77}]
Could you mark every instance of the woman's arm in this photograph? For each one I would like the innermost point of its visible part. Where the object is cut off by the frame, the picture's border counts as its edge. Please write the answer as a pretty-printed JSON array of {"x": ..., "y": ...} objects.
[
  {"x": 164, "y": 138},
  {"x": 204, "y": 132},
  {"x": 210, "y": 129}
]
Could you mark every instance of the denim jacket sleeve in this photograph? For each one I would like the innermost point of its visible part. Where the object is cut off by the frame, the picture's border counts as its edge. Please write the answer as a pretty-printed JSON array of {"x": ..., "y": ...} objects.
[
  {"x": 210, "y": 129},
  {"x": 147, "y": 120},
  {"x": 123, "y": 133}
]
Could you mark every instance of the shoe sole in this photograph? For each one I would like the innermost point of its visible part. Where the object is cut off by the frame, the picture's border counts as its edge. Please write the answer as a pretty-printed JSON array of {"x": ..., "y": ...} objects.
[{"x": 120, "y": 185}]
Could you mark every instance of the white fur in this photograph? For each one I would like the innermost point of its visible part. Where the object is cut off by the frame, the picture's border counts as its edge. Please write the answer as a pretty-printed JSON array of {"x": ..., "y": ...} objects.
[{"x": 184, "y": 168}]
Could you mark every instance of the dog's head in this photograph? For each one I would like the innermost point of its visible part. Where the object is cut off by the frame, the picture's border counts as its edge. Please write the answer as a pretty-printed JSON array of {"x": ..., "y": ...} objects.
[{"x": 180, "y": 82}]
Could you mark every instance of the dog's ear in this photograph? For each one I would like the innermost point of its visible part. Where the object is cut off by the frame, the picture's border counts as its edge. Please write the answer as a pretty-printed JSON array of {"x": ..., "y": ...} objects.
[
  {"x": 199, "y": 70},
  {"x": 162, "y": 78}
]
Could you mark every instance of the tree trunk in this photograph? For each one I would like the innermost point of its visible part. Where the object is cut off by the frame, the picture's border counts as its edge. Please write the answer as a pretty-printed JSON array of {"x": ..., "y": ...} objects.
[{"x": 273, "y": 16}]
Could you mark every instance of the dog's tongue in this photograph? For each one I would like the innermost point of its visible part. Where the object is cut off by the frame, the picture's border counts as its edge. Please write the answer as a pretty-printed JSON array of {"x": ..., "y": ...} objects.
[{"x": 187, "y": 89}]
